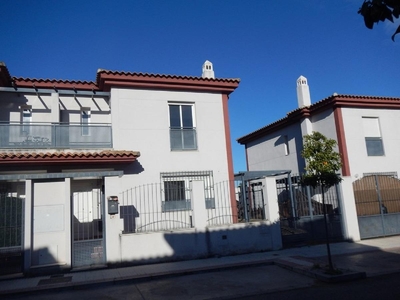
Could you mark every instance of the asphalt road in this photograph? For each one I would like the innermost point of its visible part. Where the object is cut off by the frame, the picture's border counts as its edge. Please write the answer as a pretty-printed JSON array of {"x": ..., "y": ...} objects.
[{"x": 262, "y": 282}]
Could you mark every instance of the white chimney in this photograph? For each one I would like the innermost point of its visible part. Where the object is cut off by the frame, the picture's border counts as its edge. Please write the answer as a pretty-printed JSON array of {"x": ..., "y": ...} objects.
[
  {"x": 208, "y": 71},
  {"x": 303, "y": 92}
]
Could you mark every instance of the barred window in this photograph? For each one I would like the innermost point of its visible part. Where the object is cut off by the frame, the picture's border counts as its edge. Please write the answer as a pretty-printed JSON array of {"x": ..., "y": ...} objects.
[{"x": 176, "y": 189}]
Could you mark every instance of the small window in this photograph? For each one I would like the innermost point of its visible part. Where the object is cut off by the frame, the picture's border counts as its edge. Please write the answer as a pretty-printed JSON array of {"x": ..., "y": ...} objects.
[
  {"x": 85, "y": 121},
  {"x": 182, "y": 127},
  {"x": 286, "y": 145},
  {"x": 372, "y": 134},
  {"x": 26, "y": 119}
]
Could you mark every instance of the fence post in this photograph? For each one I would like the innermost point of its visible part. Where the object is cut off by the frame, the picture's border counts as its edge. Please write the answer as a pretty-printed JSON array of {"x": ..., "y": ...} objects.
[
  {"x": 198, "y": 204},
  {"x": 272, "y": 211},
  {"x": 27, "y": 226},
  {"x": 347, "y": 206}
]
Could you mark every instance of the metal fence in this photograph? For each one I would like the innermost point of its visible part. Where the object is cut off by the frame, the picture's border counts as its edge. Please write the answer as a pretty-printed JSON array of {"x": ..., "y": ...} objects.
[
  {"x": 55, "y": 136},
  {"x": 11, "y": 208},
  {"x": 11, "y": 230},
  {"x": 143, "y": 209},
  {"x": 301, "y": 210},
  {"x": 167, "y": 205}
]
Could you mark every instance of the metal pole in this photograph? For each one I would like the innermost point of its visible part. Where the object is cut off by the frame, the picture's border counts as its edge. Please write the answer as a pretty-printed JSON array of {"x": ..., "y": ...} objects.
[
  {"x": 326, "y": 231},
  {"x": 378, "y": 191},
  {"x": 292, "y": 201}
]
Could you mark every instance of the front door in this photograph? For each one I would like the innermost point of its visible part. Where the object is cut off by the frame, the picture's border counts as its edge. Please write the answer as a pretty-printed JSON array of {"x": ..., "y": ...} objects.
[{"x": 87, "y": 223}]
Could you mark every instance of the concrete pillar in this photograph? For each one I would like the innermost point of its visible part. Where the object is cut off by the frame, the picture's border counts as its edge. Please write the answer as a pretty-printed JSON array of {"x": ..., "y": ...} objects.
[
  {"x": 350, "y": 227},
  {"x": 27, "y": 246},
  {"x": 272, "y": 211},
  {"x": 113, "y": 225},
  {"x": 198, "y": 203},
  {"x": 68, "y": 224},
  {"x": 55, "y": 109}
]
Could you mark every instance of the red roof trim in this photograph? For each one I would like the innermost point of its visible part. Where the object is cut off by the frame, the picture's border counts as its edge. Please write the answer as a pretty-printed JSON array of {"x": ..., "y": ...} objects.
[
  {"x": 53, "y": 83},
  {"x": 107, "y": 79},
  {"x": 68, "y": 157},
  {"x": 327, "y": 103}
]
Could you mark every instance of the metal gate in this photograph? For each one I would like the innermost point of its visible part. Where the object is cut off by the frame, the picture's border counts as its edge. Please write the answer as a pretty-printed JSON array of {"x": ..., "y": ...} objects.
[
  {"x": 250, "y": 201},
  {"x": 377, "y": 198},
  {"x": 302, "y": 212},
  {"x": 11, "y": 229},
  {"x": 257, "y": 205},
  {"x": 87, "y": 233}
]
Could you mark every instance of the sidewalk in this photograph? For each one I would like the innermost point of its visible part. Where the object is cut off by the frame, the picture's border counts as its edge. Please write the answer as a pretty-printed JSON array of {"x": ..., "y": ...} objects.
[{"x": 374, "y": 257}]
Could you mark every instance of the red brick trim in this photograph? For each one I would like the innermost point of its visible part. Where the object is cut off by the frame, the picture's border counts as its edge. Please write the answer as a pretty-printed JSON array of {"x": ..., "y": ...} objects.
[
  {"x": 229, "y": 157},
  {"x": 340, "y": 132}
]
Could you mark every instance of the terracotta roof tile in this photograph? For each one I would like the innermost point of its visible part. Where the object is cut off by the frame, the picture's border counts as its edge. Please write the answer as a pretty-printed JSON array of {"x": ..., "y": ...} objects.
[
  {"x": 109, "y": 156},
  {"x": 342, "y": 100},
  {"x": 156, "y": 75}
]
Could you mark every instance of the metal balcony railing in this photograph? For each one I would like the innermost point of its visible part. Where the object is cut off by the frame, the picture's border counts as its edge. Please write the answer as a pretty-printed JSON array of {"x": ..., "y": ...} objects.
[{"x": 55, "y": 136}]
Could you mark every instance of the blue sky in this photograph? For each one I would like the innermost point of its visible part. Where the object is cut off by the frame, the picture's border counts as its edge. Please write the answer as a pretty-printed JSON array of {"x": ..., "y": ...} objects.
[{"x": 268, "y": 44}]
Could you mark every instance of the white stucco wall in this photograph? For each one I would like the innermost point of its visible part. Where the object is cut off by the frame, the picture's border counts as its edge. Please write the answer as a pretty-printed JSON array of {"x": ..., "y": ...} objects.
[
  {"x": 324, "y": 123},
  {"x": 268, "y": 152},
  {"x": 47, "y": 107},
  {"x": 140, "y": 122},
  {"x": 359, "y": 161}
]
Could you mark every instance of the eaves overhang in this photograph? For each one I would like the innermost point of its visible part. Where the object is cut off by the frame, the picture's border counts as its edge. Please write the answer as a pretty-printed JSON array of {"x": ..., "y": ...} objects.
[
  {"x": 331, "y": 102},
  {"x": 40, "y": 158},
  {"x": 109, "y": 79}
]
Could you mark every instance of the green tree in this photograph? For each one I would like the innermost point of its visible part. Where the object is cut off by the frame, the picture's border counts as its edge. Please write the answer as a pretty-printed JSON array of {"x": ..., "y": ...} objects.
[
  {"x": 322, "y": 165},
  {"x": 375, "y": 11},
  {"x": 322, "y": 161}
]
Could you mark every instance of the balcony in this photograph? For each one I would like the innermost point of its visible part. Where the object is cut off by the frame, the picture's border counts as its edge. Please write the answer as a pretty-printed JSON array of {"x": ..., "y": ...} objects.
[{"x": 55, "y": 136}]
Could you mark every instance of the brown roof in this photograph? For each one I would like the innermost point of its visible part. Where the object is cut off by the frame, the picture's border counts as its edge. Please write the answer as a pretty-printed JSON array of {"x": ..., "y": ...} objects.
[
  {"x": 68, "y": 157},
  {"x": 330, "y": 102},
  {"x": 107, "y": 79}
]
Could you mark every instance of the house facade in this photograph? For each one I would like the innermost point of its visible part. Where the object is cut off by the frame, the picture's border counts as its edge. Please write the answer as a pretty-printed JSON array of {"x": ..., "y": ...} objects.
[
  {"x": 366, "y": 129},
  {"x": 96, "y": 173}
]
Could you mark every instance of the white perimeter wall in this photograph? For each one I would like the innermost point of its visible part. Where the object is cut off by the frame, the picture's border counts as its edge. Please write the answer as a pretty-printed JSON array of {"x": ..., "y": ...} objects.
[{"x": 190, "y": 244}]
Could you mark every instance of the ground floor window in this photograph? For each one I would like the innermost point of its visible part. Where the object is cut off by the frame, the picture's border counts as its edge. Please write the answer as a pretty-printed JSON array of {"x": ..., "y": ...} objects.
[{"x": 176, "y": 193}]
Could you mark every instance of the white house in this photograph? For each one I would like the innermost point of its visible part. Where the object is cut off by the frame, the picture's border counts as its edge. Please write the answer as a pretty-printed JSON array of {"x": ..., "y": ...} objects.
[
  {"x": 132, "y": 167},
  {"x": 367, "y": 132}
]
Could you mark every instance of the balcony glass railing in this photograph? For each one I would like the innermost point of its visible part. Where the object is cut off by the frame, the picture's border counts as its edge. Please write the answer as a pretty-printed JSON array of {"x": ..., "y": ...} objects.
[{"x": 55, "y": 136}]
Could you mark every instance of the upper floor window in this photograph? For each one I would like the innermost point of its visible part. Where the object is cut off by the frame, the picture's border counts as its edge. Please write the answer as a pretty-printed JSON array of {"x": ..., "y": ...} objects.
[
  {"x": 373, "y": 138},
  {"x": 85, "y": 120},
  {"x": 182, "y": 127}
]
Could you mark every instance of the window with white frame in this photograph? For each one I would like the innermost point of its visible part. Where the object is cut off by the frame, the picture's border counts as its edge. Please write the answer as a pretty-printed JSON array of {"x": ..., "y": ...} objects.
[
  {"x": 85, "y": 120},
  {"x": 26, "y": 119},
  {"x": 182, "y": 127},
  {"x": 373, "y": 138},
  {"x": 176, "y": 193}
]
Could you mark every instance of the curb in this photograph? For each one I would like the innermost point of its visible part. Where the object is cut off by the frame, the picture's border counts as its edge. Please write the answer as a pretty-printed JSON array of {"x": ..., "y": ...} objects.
[
  {"x": 141, "y": 277},
  {"x": 320, "y": 274}
]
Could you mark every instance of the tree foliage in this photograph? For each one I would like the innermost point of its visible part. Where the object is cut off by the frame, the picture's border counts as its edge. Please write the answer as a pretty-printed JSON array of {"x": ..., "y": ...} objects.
[
  {"x": 375, "y": 11},
  {"x": 322, "y": 161}
]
